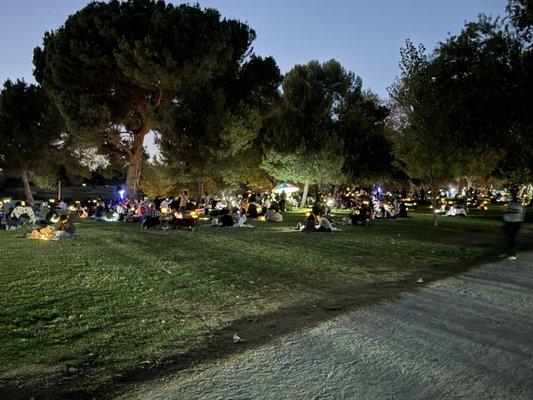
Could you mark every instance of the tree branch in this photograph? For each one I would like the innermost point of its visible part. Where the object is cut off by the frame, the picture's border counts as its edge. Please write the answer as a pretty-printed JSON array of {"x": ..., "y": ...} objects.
[{"x": 118, "y": 144}]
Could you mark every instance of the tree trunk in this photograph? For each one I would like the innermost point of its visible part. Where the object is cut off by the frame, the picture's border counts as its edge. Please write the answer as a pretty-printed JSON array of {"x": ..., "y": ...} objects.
[
  {"x": 136, "y": 154},
  {"x": 434, "y": 201},
  {"x": 134, "y": 169},
  {"x": 304, "y": 195},
  {"x": 468, "y": 183},
  {"x": 200, "y": 190},
  {"x": 434, "y": 204},
  {"x": 27, "y": 188}
]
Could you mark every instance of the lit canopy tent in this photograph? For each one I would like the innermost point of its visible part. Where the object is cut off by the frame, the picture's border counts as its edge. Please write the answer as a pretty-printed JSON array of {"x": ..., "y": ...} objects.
[{"x": 287, "y": 187}]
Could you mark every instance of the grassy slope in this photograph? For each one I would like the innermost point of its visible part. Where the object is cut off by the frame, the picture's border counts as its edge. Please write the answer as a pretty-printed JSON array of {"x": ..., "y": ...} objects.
[{"x": 118, "y": 296}]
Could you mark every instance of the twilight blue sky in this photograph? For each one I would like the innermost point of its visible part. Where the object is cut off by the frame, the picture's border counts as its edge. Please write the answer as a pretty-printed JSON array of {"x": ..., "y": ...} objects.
[{"x": 364, "y": 35}]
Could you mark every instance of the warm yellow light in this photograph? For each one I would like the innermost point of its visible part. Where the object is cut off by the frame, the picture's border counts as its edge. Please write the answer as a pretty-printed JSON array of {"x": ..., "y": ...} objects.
[{"x": 164, "y": 210}]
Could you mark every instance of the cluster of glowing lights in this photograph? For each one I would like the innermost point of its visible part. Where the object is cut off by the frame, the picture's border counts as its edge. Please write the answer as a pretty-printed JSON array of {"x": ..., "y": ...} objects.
[{"x": 44, "y": 234}]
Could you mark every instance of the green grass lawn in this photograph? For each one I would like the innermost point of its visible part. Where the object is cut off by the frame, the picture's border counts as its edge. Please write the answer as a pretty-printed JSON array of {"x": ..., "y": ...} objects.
[{"x": 77, "y": 315}]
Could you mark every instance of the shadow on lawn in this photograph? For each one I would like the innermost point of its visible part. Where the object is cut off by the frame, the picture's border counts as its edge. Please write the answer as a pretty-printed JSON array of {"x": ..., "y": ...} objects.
[{"x": 256, "y": 330}]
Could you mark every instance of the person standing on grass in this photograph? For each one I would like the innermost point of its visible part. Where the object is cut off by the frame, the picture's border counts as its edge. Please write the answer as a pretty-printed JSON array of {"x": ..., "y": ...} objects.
[
  {"x": 513, "y": 219},
  {"x": 282, "y": 201},
  {"x": 183, "y": 201}
]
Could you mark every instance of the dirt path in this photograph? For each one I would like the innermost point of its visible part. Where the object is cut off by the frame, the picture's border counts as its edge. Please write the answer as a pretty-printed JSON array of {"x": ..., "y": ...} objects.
[{"x": 469, "y": 336}]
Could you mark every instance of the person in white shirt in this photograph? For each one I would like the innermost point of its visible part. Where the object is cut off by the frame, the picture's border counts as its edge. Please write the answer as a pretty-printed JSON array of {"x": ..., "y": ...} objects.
[
  {"x": 165, "y": 203},
  {"x": 241, "y": 223},
  {"x": 325, "y": 225}
]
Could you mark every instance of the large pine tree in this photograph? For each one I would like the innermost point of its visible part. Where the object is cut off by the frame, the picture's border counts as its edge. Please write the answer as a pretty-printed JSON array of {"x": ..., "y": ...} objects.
[{"x": 112, "y": 65}]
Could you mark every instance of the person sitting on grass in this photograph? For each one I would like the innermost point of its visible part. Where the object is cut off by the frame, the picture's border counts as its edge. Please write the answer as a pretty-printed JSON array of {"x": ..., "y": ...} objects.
[
  {"x": 52, "y": 216},
  {"x": 21, "y": 215},
  {"x": 152, "y": 218},
  {"x": 273, "y": 216},
  {"x": 403, "y": 210},
  {"x": 325, "y": 225},
  {"x": 252, "y": 211},
  {"x": 309, "y": 224},
  {"x": 225, "y": 219},
  {"x": 66, "y": 229},
  {"x": 99, "y": 212},
  {"x": 241, "y": 223}
]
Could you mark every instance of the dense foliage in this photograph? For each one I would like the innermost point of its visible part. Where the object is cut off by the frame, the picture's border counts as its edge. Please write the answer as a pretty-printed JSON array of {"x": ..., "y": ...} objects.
[
  {"x": 30, "y": 133},
  {"x": 327, "y": 129},
  {"x": 113, "y": 64}
]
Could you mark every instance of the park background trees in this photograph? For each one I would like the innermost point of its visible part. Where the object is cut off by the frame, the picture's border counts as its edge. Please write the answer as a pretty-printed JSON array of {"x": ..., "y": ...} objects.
[
  {"x": 30, "y": 134},
  {"x": 225, "y": 116},
  {"x": 112, "y": 65},
  {"x": 464, "y": 109},
  {"x": 327, "y": 130}
]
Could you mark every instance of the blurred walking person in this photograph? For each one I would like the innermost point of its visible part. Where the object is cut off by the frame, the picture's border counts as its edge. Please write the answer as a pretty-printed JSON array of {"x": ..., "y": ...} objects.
[{"x": 513, "y": 218}]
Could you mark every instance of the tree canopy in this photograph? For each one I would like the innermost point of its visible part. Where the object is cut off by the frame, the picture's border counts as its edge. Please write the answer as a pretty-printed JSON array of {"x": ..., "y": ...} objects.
[
  {"x": 211, "y": 125},
  {"x": 464, "y": 109},
  {"x": 113, "y": 64},
  {"x": 327, "y": 130},
  {"x": 30, "y": 133}
]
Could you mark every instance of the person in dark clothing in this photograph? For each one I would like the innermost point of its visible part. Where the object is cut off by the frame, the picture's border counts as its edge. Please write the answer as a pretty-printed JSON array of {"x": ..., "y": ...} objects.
[
  {"x": 51, "y": 216},
  {"x": 403, "y": 210},
  {"x": 513, "y": 219},
  {"x": 99, "y": 212},
  {"x": 309, "y": 224},
  {"x": 252, "y": 211},
  {"x": 152, "y": 218},
  {"x": 282, "y": 201},
  {"x": 226, "y": 219},
  {"x": 67, "y": 227}
]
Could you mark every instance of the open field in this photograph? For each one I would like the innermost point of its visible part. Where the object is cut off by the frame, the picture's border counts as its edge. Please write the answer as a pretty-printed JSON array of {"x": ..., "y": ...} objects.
[{"x": 91, "y": 316}]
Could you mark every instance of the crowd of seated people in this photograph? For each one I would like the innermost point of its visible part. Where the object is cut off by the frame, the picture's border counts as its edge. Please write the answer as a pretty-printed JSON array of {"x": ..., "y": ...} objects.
[{"x": 17, "y": 216}]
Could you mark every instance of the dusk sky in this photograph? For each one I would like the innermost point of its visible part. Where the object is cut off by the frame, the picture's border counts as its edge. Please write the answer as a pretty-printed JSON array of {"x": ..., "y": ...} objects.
[{"x": 365, "y": 36}]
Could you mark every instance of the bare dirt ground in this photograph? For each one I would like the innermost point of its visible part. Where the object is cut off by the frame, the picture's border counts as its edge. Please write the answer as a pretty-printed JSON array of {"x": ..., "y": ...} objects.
[{"x": 468, "y": 336}]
